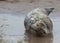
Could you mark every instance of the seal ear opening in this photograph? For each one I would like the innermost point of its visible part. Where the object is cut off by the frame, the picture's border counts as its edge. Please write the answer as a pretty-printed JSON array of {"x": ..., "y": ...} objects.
[{"x": 49, "y": 10}]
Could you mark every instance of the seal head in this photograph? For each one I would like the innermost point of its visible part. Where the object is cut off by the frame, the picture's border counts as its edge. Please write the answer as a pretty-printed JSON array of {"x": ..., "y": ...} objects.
[{"x": 37, "y": 22}]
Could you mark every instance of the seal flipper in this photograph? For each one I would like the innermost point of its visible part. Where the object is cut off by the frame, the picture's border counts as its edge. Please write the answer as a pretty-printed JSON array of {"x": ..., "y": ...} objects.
[{"x": 49, "y": 10}]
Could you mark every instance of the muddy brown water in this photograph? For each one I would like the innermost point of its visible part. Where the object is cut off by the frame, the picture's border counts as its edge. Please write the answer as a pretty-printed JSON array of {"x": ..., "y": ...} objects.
[{"x": 12, "y": 30}]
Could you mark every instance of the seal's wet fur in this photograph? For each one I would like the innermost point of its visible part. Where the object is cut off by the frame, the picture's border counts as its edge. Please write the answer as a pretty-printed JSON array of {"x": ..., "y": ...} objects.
[{"x": 37, "y": 22}]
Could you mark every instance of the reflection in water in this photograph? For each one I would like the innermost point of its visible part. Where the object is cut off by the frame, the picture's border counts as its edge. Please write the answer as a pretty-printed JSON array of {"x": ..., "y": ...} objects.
[
  {"x": 34, "y": 39},
  {"x": 28, "y": 38}
]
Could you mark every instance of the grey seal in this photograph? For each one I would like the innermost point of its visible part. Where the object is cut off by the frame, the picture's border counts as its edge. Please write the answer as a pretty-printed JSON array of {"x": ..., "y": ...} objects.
[{"x": 38, "y": 22}]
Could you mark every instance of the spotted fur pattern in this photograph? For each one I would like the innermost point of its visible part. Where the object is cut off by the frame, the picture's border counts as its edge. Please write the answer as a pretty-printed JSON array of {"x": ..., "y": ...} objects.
[{"x": 37, "y": 22}]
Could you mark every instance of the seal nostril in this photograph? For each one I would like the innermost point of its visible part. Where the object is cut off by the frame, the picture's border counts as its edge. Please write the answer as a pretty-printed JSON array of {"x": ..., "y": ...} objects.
[
  {"x": 40, "y": 32},
  {"x": 37, "y": 25}
]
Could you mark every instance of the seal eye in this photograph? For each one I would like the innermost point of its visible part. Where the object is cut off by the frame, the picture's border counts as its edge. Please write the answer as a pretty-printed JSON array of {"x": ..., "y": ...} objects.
[{"x": 40, "y": 25}]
